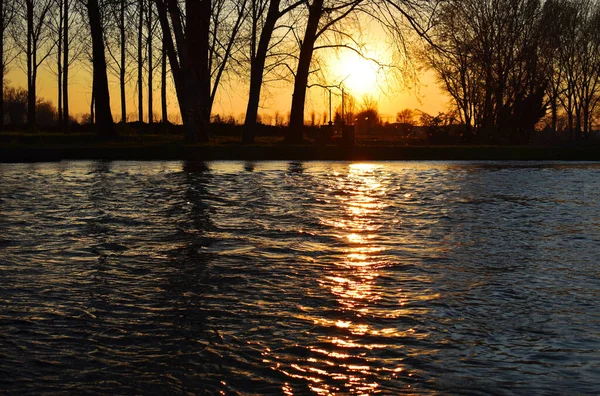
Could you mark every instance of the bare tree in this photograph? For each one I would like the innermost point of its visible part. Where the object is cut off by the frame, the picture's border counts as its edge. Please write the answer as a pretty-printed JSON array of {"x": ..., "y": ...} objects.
[
  {"x": 65, "y": 77},
  {"x": 68, "y": 48},
  {"x": 150, "y": 37},
  {"x": 140, "y": 60},
  {"x": 259, "y": 49},
  {"x": 2, "y": 29},
  {"x": 7, "y": 12},
  {"x": 486, "y": 55},
  {"x": 200, "y": 43},
  {"x": 57, "y": 24},
  {"x": 580, "y": 62},
  {"x": 227, "y": 18},
  {"x": 163, "y": 84},
  {"x": 100, "y": 91},
  {"x": 38, "y": 45},
  {"x": 406, "y": 116},
  {"x": 122, "y": 20},
  {"x": 188, "y": 51},
  {"x": 315, "y": 28}
]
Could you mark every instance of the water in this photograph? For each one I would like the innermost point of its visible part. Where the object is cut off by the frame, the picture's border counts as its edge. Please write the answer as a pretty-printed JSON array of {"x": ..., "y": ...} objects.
[{"x": 299, "y": 278}]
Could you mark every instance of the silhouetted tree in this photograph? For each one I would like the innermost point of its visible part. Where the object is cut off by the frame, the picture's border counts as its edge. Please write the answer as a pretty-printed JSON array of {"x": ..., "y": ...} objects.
[
  {"x": 580, "y": 63},
  {"x": 259, "y": 48},
  {"x": 122, "y": 18},
  {"x": 406, "y": 116},
  {"x": 140, "y": 60},
  {"x": 163, "y": 84},
  {"x": 65, "y": 77},
  {"x": 7, "y": 12},
  {"x": 34, "y": 39},
  {"x": 315, "y": 27},
  {"x": 486, "y": 55},
  {"x": 101, "y": 96},
  {"x": 68, "y": 48},
  {"x": 227, "y": 18},
  {"x": 15, "y": 105},
  {"x": 149, "y": 42},
  {"x": 368, "y": 114},
  {"x": 199, "y": 54},
  {"x": 189, "y": 61}
]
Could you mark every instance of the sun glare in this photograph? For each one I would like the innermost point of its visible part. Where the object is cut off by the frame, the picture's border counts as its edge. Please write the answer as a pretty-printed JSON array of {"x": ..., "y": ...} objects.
[{"x": 359, "y": 75}]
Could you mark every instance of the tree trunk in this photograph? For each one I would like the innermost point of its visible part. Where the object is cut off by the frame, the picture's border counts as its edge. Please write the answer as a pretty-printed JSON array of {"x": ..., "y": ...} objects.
[
  {"x": 122, "y": 70},
  {"x": 169, "y": 49},
  {"x": 104, "y": 120},
  {"x": 149, "y": 30},
  {"x": 205, "y": 75},
  {"x": 189, "y": 64},
  {"x": 65, "y": 80},
  {"x": 140, "y": 62},
  {"x": 92, "y": 104},
  {"x": 163, "y": 85},
  {"x": 30, "y": 68},
  {"x": 554, "y": 111},
  {"x": 195, "y": 70},
  {"x": 59, "y": 60},
  {"x": 257, "y": 66},
  {"x": 1, "y": 66},
  {"x": 296, "y": 127}
]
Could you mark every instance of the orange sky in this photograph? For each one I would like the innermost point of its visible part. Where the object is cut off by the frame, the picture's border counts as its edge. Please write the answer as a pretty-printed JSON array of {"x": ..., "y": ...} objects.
[{"x": 359, "y": 80}]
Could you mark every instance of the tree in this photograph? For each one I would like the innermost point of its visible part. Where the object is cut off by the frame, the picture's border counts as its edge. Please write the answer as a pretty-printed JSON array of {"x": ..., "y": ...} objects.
[
  {"x": 369, "y": 112},
  {"x": 68, "y": 48},
  {"x": 315, "y": 28},
  {"x": 2, "y": 29},
  {"x": 57, "y": 25},
  {"x": 259, "y": 48},
  {"x": 37, "y": 47},
  {"x": 189, "y": 61},
  {"x": 150, "y": 37},
  {"x": 122, "y": 18},
  {"x": 227, "y": 18},
  {"x": 100, "y": 95},
  {"x": 65, "y": 77},
  {"x": 163, "y": 84},
  {"x": 200, "y": 44},
  {"x": 406, "y": 116},
  {"x": 15, "y": 101},
  {"x": 140, "y": 60},
  {"x": 552, "y": 67},
  {"x": 486, "y": 55},
  {"x": 579, "y": 59},
  {"x": 7, "y": 12}
]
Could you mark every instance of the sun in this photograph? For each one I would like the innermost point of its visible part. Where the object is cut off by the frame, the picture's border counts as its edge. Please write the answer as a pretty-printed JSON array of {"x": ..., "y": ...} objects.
[{"x": 359, "y": 75}]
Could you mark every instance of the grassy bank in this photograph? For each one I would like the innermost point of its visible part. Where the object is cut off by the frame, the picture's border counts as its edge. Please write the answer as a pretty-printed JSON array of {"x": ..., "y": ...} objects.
[{"x": 42, "y": 147}]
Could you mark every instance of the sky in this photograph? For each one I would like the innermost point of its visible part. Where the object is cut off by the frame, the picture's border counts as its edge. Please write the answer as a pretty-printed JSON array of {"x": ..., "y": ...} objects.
[{"x": 359, "y": 77}]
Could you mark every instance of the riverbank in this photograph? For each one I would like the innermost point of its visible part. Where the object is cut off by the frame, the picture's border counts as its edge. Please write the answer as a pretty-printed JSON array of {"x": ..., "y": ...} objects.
[
  {"x": 211, "y": 152},
  {"x": 43, "y": 147}
]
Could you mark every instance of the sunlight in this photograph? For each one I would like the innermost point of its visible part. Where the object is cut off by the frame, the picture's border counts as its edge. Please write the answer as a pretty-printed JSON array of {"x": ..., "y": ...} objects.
[
  {"x": 352, "y": 281},
  {"x": 360, "y": 76}
]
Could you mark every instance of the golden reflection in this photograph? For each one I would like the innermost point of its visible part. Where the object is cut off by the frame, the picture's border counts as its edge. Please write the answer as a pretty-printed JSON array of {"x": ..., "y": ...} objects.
[{"x": 343, "y": 359}]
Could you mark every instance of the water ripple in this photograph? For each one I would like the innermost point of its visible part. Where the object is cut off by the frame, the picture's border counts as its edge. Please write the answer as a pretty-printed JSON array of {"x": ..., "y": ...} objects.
[{"x": 299, "y": 278}]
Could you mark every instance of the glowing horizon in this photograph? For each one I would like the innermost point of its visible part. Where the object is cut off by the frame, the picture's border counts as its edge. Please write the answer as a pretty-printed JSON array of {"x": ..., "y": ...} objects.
[{"x": 362, "y": 77}]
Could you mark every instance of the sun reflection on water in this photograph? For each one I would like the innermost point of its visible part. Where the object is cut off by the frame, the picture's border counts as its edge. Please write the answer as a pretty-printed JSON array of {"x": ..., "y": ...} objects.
[{"x": 343, "y": 355}]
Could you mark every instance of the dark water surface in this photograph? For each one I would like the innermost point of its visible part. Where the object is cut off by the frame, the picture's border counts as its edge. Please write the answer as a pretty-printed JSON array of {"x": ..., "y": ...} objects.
[{"x": 299, "y": 278}]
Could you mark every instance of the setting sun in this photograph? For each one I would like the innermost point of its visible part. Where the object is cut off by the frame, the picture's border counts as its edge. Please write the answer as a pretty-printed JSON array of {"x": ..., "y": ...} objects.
[{"x": 359, "y": 75}]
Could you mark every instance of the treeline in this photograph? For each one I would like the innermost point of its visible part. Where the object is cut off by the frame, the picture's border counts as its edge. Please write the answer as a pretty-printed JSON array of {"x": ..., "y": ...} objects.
[
  {"x": 202, "y": 46},
  {"x": 507, "y": 64},
  {"x": 512, "y": 65}
]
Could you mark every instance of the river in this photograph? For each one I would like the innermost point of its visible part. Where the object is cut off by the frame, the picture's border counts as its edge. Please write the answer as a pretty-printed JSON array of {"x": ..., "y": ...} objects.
[{"x": 300, "y": 278}]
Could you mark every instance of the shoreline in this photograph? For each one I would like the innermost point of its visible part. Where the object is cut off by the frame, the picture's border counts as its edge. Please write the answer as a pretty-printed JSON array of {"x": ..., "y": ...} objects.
[{"x": 282, "y": 152}]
